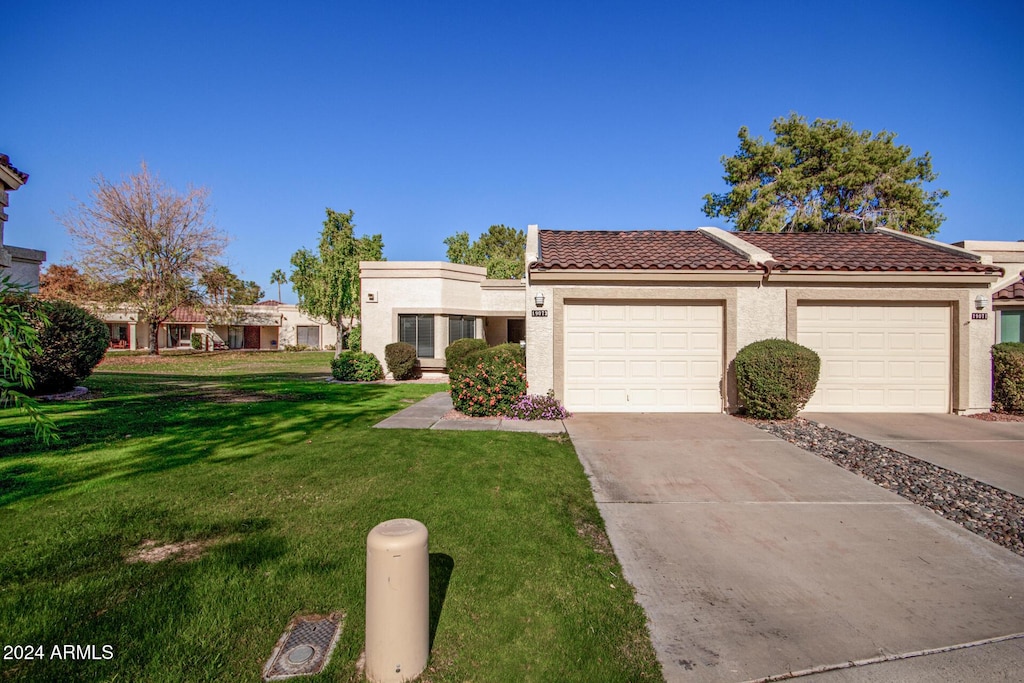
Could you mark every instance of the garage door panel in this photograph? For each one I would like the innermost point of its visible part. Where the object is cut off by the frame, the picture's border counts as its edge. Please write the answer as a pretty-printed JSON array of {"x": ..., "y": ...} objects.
[
  {"x": 643, "y": 357},
  {"x": 879, "y": 357},
  {"x": 612, "y": 369},
  {"x": 581, "y": 369},
  {"x": 611, "y": 341},
  {"x": 643, "y": 340},
  {"x": 611, "y": 314},
  {"x": 642, "y": 313},
  {"x": 582, "y": 341},
  {"x": 643, "y": 369},
  {"x": 674, "y": 369}
]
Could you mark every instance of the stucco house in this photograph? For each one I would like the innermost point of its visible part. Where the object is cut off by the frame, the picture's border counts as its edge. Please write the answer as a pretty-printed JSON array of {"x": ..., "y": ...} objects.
[
  {"x": 650, "y": 321},
  {"x": 268, "y": 326},
  {"x": 1008, "y": 292},
  {"x": 18, "y": 263}
]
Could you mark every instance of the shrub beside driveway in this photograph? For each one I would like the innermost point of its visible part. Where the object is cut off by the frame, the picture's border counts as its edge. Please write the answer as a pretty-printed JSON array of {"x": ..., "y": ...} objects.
[{"x": 253, "y": 482}]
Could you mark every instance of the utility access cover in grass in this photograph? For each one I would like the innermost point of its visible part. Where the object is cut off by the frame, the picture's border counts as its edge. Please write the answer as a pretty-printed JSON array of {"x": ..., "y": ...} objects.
[{"x": 305, "y": 647}]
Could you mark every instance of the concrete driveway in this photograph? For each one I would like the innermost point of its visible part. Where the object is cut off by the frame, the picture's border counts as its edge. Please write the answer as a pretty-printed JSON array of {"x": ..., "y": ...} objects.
[
  {"x": 754, "y": 558},
  {"x": 992, "y": 452}
]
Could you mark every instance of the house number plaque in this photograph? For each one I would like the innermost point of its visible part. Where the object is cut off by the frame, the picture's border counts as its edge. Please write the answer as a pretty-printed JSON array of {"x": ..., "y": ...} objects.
[
  {"x": 979, "y": 316},
  {"x": 542, "y": 313}
]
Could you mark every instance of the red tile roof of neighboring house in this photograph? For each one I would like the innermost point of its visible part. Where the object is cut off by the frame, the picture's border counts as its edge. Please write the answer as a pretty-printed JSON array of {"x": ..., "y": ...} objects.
[
  {"x": 860, "y": 251},
  {"x": 635, "y": 250},
  {"x": 6, "y": 161},
  {"x": 183, "y": 314},
  {"x": 268, "y": 302},
  {"x": 1014, "y": 291}
]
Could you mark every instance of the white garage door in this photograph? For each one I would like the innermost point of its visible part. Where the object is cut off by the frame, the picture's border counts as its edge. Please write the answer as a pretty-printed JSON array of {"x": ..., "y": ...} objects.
[
  {"x": 643, "y": 358},
  {"x": 879, "y": 358}
]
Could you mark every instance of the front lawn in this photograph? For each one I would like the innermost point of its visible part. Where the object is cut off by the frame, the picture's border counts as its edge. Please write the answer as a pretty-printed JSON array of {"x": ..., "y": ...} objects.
[{"x": 270, "y": 479}]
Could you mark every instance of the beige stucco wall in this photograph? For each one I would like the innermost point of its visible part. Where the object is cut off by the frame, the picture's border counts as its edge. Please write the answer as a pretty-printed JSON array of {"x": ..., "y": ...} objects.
[{"x": 393, "y": 288}]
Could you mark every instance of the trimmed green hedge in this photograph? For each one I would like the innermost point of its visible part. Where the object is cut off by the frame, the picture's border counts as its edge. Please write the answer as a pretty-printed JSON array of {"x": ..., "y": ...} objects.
[
  {"x": 1008, "y": 377},
  {"x": 356, "y": 366},
  {"x": 776, "y": 378},
  {"x": 490, "y": 381},
  {"x": 401, "y": 360},
  {"x": 355, "y": 338},
  {"x": 460, "y": 348}
]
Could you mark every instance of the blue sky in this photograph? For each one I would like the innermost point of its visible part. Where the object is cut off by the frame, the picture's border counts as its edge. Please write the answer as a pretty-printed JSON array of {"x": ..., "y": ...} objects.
[{"x": 431, "y": 118}]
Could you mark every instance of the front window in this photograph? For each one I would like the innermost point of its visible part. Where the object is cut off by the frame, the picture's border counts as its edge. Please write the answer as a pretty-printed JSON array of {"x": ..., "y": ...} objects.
[
  {"x": 308, "y": 335},
  {"x": 417, "y": 330},
  {"x": 1011, "y": 326},
  {"x": 177, "y": 334},
  {"x": 461, "y": 327}
]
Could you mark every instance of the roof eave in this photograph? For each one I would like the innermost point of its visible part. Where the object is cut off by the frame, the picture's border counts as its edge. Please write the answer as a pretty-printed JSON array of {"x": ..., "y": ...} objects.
[{"x": 646, "y": 275}]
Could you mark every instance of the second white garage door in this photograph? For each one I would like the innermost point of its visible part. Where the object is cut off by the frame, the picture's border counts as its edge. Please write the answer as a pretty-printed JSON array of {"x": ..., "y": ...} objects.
[
  {"x": 643, "y": 358},
  {"x": 879, "y": 358}
]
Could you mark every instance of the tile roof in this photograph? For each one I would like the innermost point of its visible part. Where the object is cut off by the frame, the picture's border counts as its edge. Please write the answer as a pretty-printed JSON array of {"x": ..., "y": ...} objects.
[
  {"x": 1013, "y": 291},
  {"x": 635, "y": 250},
  {"x": 860, "y": 251},
  {"x": 6, "y": 161},
  {"x": 268, "y": 302},
  {"x": 183, "y": 314}
]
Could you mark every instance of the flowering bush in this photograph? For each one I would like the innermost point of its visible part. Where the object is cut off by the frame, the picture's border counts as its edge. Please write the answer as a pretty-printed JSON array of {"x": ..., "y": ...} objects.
[
  {"x": 488, "y": 382},
  {"x": 535, "y": 407},
  {"x": 460, "y": 349},
  {"x": 356, "y": 366}
]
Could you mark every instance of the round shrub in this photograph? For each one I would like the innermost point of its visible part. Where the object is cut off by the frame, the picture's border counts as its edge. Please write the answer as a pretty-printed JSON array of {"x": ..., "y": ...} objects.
[
  {"x": 356, "y": 366},
  {"x": 776, "y": 378},
  {"x": 488, "y": 382},
  {"x": 1008, "y": 377},
  {"x": 460, "y": 348},
  {"x": 72, "y": 345},
  {"x": 401, "y": 360}
]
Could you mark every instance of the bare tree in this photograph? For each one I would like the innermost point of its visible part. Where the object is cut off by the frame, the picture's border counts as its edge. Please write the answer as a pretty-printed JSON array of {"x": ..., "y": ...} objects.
[{"x": 150, "y": 242}]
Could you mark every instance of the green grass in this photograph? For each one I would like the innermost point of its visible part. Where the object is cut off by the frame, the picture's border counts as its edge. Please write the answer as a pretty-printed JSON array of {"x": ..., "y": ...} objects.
[{"x": 282, "y": 476}]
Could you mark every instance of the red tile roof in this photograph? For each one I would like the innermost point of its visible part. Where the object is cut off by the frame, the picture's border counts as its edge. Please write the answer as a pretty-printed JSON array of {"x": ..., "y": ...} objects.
[
  {"x": 1014, "y": 291},
  {"x": 860, "y": 251},
  {"x": 268, "y": 302},
  {"x": 183, "y": 314},
  {"x": 635, "y": 250},
  {"x": 6, "y": 161}
]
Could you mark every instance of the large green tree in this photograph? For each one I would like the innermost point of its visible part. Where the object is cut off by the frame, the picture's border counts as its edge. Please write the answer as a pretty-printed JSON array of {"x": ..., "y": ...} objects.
[
  {"x": 826, "y": 176},
  {"x": 501, "y": 250},
  {"x": 327, "y": 282},
  {"x": 224, "y": 288}
]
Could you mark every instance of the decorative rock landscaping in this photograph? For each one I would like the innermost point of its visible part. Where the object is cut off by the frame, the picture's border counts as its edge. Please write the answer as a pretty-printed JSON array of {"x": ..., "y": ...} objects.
[{"x": 985, "y": 510}]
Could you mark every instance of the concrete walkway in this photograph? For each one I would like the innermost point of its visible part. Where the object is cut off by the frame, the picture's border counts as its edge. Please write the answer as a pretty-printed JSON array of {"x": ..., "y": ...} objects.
[
  {"x": 991, "y": 452},
  {"x": 753, "y": 558},
  {"x": 429, "y": 414}
]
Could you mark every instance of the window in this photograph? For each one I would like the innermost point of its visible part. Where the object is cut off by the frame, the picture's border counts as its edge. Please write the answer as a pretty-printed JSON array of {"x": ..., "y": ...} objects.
[
  {"x": 417, "y": 330},
  {"x": 461, "y": 327},
  {"x": 1011, "y": 326},
  {"x": 236, "y": 337},
  {"x": 516, "y": 328},
  {"x": 307, "y": 335}
]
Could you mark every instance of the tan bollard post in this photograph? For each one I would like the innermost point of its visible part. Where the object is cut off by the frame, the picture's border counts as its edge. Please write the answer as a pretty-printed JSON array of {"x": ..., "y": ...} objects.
[{"x": 397, "y": 601}]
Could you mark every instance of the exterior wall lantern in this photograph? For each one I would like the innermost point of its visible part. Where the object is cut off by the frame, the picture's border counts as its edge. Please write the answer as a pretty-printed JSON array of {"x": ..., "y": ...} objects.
[
  {"x": 981, "y": 302},
  {"x": 539, "y": 300}
]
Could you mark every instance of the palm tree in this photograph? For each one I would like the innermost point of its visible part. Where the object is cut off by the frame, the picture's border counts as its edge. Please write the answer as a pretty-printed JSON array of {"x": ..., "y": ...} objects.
[{"x": 278, "y": 278}]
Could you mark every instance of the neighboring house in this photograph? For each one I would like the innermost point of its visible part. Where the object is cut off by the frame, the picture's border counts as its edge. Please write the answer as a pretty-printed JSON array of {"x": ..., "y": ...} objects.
[
  {"x": 646, "y": 321},
  {"x": 430, "y": 304},
  {"x": 19, "y": 263},
  {"x": 267, "y": 325},
  {"x": 1008, "y": 292}
]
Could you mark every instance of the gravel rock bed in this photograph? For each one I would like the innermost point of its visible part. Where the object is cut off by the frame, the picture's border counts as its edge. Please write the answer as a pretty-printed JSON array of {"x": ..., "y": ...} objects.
[{"x": 987, "y": 511}]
